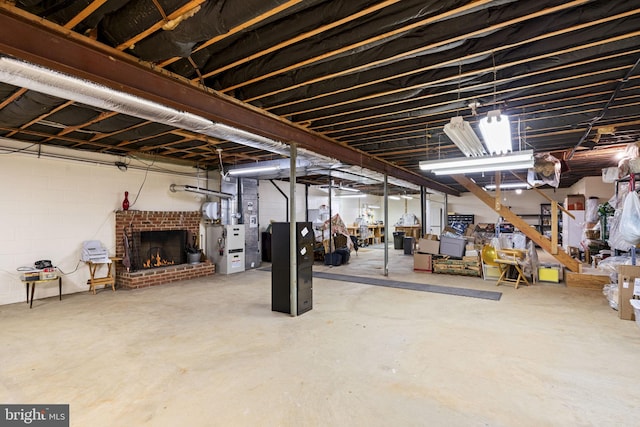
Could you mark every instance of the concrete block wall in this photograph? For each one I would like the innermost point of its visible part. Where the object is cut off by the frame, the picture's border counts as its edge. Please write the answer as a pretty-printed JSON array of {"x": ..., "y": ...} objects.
[{"x": 50, "y": 206}]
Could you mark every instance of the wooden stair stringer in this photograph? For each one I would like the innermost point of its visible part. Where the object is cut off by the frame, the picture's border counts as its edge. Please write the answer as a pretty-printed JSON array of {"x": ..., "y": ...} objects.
[{"x": 564, "y": 258}]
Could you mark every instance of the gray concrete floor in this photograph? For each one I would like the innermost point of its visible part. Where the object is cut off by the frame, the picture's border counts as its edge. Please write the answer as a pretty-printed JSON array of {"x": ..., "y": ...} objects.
[{"x": 209, "y": 352}]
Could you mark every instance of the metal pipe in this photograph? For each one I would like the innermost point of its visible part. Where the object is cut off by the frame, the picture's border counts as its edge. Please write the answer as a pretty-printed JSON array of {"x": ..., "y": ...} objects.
[
  {"x": 240, "y": 212},
  {"x": 386, "y": 227},
  {"x": 423, "y": 210},
  {"x": 293, "y": 235},
  {"x": 286, "y": 198},
  {"x": 191, "y": 189}
]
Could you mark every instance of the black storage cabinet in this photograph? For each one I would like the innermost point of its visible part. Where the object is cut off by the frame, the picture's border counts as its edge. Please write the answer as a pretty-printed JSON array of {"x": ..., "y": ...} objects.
[{"x": 281, "y": 267}]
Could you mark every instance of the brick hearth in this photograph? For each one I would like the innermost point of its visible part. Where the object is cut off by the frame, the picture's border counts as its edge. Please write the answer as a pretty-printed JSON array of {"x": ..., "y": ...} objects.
[{"x": 157, "y": 221}]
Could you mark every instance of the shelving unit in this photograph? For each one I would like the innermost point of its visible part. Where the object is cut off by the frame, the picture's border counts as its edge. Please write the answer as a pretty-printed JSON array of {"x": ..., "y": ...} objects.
[
  {"x": 374, "y": 233},
  {"x": 466, "y": 219},
  {"x": 544, "y": 225}
]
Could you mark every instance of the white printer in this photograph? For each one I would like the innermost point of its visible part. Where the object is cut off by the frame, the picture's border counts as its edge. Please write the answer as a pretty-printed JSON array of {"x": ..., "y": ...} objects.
[{"x": 93, "y": 251}]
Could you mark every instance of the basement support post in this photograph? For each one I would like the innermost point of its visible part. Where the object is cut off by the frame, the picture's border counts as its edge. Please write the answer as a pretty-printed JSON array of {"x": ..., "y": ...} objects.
[
  {"x": 423, "y": 210},
  {"x": 386, "y": 227},
  {"x": 293, "y": 234},
  {"x": 330, "y": 213},
  {"x": 306, "y": 202}
]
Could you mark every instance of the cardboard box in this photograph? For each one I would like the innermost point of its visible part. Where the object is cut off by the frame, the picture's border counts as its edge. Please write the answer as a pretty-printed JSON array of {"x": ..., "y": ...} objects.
[
  {"x": 428, "y": 245},
  {"x": 452, "y": 246},
  {"x": 422, "y": 262},
  {"x": 471, "y": 228},
  {"x": 574, "y": 202},
  {"x": 627, "y": 275}
]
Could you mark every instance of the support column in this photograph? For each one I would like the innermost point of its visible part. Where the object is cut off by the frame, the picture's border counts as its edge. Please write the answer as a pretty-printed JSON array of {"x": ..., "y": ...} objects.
[
  {"x": 293, "y": 234},
  {"x": 386, "y": 227}
]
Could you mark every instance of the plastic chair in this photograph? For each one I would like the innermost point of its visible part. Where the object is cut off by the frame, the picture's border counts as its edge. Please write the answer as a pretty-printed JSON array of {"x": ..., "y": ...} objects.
[{"x": 488, "y": 256}]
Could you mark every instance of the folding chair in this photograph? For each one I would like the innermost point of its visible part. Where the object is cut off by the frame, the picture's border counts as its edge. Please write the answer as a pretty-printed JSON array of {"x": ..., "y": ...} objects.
[{"x": 507, "y": 260}]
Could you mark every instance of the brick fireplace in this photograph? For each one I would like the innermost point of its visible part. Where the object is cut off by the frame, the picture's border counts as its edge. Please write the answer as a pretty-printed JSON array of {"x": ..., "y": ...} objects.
[{"x": 140, "y": 222}]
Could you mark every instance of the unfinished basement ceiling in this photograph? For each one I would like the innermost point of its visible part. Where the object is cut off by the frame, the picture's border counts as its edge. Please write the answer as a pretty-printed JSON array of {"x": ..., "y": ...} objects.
[{"x": 369, "y": 83}]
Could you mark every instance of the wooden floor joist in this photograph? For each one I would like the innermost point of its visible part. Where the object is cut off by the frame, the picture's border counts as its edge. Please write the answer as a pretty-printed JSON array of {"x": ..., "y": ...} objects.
[{"x": 571, "y": 263}]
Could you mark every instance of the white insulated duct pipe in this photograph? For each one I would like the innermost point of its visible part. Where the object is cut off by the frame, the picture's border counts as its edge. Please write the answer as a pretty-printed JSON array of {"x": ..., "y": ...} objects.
[{"x": 175, "y": 188}]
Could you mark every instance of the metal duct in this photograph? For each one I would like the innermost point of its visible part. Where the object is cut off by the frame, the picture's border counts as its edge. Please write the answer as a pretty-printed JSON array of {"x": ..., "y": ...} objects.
[{"x": 44, "y": 80}]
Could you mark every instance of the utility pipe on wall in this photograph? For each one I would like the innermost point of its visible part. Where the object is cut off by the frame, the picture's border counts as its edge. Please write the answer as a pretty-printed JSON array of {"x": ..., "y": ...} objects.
[
  {"x": 285, "y": 197},
  {"x": 190, "y": 188}
]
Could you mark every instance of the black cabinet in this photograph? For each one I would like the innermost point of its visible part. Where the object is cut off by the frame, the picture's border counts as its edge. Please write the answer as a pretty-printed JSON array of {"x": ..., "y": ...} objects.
[{"x": 281, "y": 267}]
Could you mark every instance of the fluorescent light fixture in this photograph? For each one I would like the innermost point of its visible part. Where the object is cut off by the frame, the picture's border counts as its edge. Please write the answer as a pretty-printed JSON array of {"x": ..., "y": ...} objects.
[
  {"x": 250, "y": 170},
  {"x": 461, "y": 133},
  {"x": 353, "y": 190},
  {"x": 340, "y": 187},
  {"x": 512, "y": 161},
  {"x": 496, "y": 132},
  {"x": 508, "y": 186},
  {"x": 394, "y": 197},
  {"x": 404, "y": 196},
  {"x": 351, "y": 196}
]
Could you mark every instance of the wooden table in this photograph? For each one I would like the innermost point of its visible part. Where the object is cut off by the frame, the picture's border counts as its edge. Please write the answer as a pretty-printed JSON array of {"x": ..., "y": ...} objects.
[
  {"x": 375, "y": 233},
  {"x": 33, "y": 287},
  {"x": 109, "y": 279},
  {"x": 414, "y": 231}
]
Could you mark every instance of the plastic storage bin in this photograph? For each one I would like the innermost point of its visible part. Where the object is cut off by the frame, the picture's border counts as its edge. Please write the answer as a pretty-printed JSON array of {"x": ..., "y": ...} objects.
[
  {"x": 635, "y": 303},
  {"x": 408, "y": 245}
]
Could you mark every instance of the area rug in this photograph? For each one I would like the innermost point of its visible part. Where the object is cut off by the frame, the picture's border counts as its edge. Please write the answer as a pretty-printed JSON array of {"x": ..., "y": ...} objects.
[{"x": 421, "y": 287}]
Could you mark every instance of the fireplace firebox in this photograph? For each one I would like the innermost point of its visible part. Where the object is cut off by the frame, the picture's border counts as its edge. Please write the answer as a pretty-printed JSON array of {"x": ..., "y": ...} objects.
[
  {"x": 129, "y": 225},
  {"x": 160, "y": 248}
]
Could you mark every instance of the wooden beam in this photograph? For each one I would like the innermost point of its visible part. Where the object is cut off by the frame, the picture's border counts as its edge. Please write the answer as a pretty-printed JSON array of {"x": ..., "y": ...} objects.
[
  {"x": 362, "y": 43},
  {"x": 526, "y": 229},
  {"x": 25, "y": 37},
  {"x": 303, "y": 36},
  {"x": 185, "y": 9},
  {"x": 237, "y": 29},
  {"x": 92, "y": 7}
]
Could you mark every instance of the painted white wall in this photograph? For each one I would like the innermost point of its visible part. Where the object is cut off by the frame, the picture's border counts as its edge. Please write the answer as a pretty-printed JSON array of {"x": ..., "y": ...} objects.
[
  {"x": 592, "y": 186},
  {"x": 50, "y": 206}
]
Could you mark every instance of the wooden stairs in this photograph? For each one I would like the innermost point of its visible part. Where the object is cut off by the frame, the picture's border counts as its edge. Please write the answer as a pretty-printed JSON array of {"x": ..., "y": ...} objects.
[{"x": 550, "y": 246}]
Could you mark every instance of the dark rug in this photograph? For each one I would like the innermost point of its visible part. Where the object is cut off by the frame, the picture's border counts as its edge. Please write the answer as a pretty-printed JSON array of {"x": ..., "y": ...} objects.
[{"x": 422, "y": 287}]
